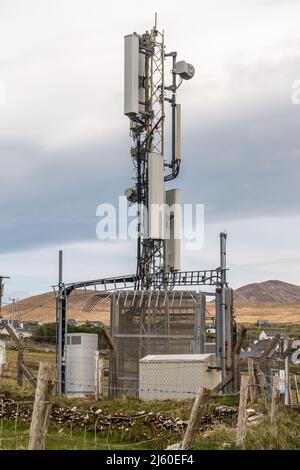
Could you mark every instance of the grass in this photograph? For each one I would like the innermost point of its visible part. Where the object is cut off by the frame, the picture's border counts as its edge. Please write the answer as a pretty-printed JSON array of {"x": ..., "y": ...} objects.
[
  {"x": 32, "y": 357},
  {"x": 147, "y": 432},
  {"x": 261, "y": 436},
  {"x": 65, "y": 439},
  {"x": 32, "y": 360},
  {"x": 293, "y": 330},
  {"x": 140, "y": 433}
]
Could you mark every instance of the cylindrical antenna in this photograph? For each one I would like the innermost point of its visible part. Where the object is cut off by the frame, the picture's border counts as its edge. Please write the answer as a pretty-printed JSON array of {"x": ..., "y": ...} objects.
[
  {"x": 60, "y": 267},
  {"x": 223, "y": 237}
]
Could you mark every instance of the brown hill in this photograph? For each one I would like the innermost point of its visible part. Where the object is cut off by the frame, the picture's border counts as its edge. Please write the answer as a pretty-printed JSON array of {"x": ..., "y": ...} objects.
[
  {"x": 289, "y": 313},
  {"x": 270, "y": 292},
  {"x": 276, "y": 301},
  {"x": 41, "y": 308}
]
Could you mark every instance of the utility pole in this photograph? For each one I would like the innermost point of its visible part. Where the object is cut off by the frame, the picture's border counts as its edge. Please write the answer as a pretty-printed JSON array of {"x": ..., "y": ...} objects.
[
  {"x": 61, "y": 328},
  {"x": 2, "y": 290},
  {"x": 13, "y": 300},
  {"x": 223, "y": 237},
  {"x": 12, "y": 312}
]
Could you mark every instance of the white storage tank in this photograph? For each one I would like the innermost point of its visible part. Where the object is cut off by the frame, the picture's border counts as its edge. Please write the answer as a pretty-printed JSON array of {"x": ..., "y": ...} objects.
[
  {"x": 176, "y": 376},
  {"x": 81, "y": 349}
]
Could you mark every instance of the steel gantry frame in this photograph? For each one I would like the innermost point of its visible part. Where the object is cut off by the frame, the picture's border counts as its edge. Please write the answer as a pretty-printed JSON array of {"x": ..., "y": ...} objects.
[{"x": 212, "y": 277}]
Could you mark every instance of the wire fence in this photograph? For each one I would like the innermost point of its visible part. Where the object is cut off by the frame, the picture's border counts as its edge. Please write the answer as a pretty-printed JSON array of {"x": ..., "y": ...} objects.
[
  {"x": 91, "y": 427},
  {"x": 104, "y": 425},
  {"x": 158, "y": 381}
]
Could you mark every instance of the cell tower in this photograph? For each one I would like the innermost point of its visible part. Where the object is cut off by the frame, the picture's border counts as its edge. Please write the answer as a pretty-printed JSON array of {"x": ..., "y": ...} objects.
[{"x": 146, "y": 94}]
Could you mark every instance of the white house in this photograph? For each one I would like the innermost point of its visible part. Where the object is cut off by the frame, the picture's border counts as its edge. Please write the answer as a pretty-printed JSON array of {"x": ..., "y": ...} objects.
[{"x": 268, "y": 334}]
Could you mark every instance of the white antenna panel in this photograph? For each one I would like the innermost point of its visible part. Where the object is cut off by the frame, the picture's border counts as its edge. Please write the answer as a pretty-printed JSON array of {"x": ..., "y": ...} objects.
[
  {"x": 178, "y": 132},
  {"x": 142, "y": 91},
  {"x": 156, "y": 202},
  {"x": 173, "y": 230},
  {"x": 131, "y": 74}
]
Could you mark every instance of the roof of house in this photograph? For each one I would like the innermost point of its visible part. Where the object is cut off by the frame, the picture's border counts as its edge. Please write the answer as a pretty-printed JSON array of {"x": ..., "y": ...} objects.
[
  {"x": 270, "y": 333},
  {"x": 260, "y": 345}
]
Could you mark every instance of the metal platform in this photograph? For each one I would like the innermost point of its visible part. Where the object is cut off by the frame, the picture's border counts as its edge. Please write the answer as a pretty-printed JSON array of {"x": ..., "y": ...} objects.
[{"x": 210, "y": 277}]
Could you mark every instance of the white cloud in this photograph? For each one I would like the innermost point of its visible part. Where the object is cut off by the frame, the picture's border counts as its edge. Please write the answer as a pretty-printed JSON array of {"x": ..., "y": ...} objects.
[
  {"x": 258, "y": 249},
  {"x": 63, "y": 62},
  {"x": 63, "y": 68},
  {"x": 35, "y": 271}
]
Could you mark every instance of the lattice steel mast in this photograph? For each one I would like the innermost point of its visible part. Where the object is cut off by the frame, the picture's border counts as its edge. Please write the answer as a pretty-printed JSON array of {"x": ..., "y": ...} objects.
[{"x": 145, "y": 97}]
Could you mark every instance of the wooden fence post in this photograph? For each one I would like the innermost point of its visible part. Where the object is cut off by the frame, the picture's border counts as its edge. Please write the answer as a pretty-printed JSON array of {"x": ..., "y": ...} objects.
[
  {"x": 20, "y": 349},
  {"x": 296, "y": 388},
  {"x": 242, "y": 417},
  {"x": 290, "y": 395},
  {"x": 114, "y": 361},
  {"x": 236, "y": 371},
  {"x": 236, "y": 359},
  {"x": 20, "y": 361},
  {"x": 46, "y": 384},
  {"x": 99, "y": 376},
  {"x": 252, "y": 381},
  {"x": 202, "y": 396},
  {"x": 275, "y": 400},
  {"x": 263, "y": 387}
]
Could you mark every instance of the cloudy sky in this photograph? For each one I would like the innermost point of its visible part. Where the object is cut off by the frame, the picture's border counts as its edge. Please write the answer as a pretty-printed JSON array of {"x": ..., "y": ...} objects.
[{"x": 64, "y": 142}]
